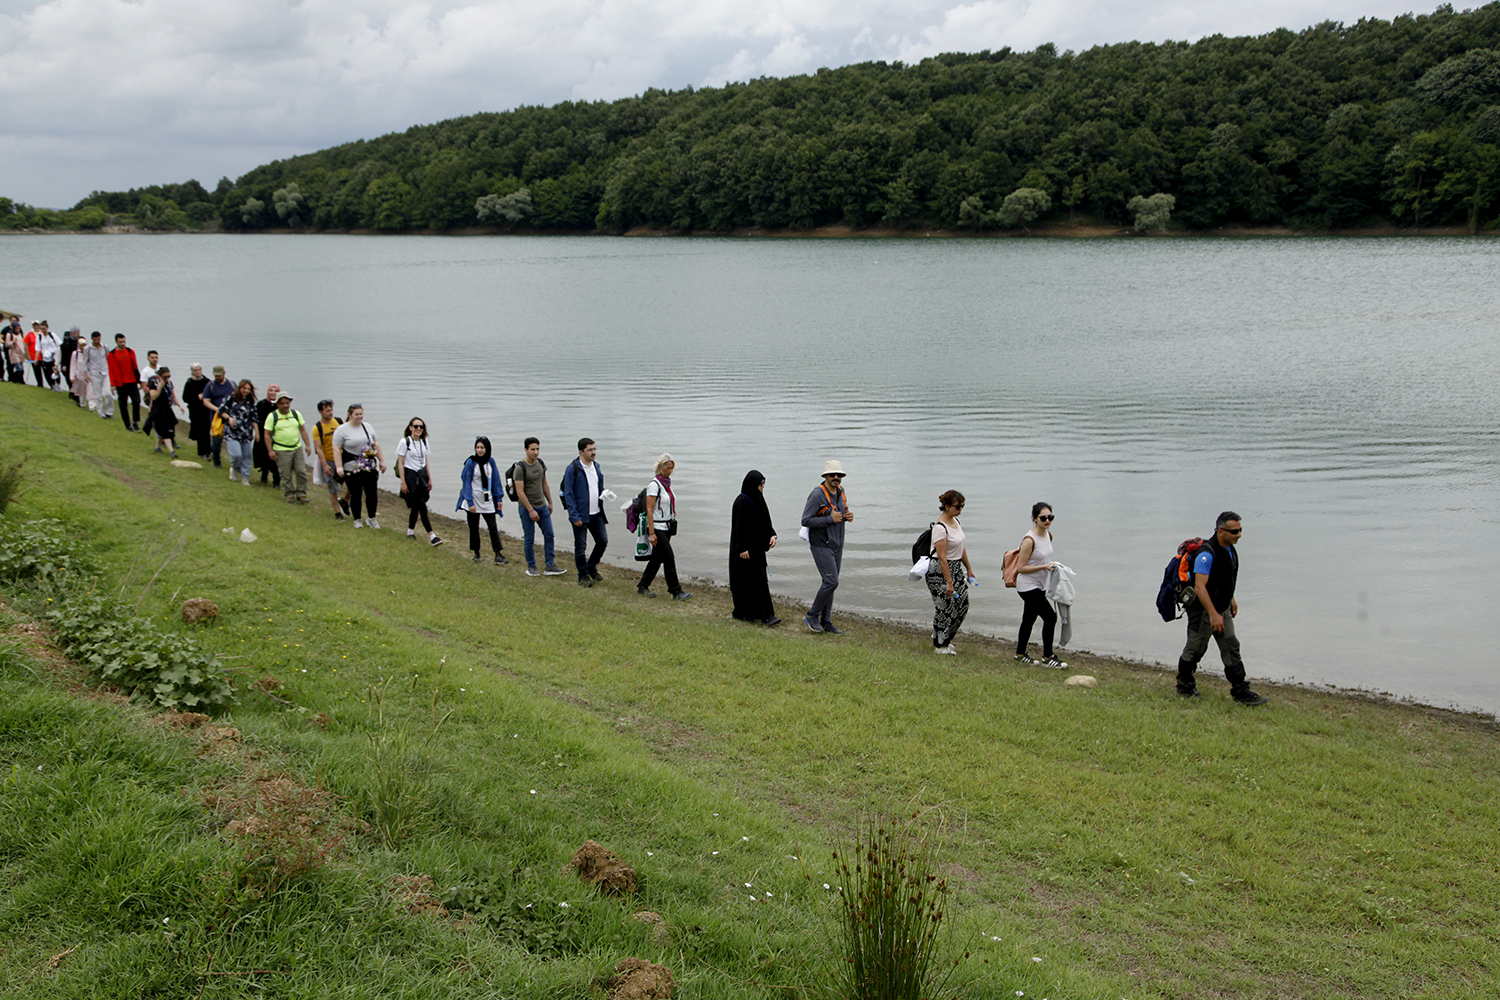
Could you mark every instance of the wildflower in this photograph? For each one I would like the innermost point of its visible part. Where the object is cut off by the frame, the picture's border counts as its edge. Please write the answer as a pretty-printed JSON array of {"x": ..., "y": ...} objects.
[
  {"x": 744, "y": 838},
  {"x": 749, "y": 886},
  {"x": 533, "y": 791},
  {"x": 1035, "y": 959},
  {"x": 716, "y": 852},
  {"x": 650, "y": 854},
  {"x": 827, "y": 886},
  {"x": 563, "y": 906}
]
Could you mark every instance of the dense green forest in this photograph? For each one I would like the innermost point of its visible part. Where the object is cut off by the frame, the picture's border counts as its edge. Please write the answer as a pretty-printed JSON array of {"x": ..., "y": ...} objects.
[{"x": 1335, "y": 126}]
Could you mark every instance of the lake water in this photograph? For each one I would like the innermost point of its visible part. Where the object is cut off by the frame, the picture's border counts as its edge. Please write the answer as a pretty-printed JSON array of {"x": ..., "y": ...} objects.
[{"x": 1340, "y": 394}]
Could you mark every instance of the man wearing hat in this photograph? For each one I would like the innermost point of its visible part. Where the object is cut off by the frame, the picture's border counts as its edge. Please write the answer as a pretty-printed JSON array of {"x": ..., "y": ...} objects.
[
  {"x": 824, "y": 516},
  {"x": 215, "y": 395},
  {"x": 286, "y": 438}
]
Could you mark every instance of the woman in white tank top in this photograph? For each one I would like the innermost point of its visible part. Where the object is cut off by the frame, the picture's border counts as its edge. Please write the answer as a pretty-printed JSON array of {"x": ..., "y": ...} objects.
[
  {"x": 950, "y": 573},
  {"x": 1035, "y": 564}
]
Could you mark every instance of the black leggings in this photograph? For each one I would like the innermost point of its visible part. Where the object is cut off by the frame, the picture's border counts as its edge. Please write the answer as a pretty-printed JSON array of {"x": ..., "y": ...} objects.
[
  {"x": 1037, "y": 606},
  {"x": 418, "y": 490},
  {"x": 362, "y": 484},
  {"x": 489, "y": 520}
]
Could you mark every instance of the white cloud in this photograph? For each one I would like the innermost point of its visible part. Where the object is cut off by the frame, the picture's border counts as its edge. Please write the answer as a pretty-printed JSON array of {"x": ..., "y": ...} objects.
[{"x": 113, "y": 93}]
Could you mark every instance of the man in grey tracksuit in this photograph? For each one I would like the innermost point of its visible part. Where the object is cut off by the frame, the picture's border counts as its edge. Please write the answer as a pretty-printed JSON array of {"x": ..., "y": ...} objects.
[{"x": 824, "y": 515}]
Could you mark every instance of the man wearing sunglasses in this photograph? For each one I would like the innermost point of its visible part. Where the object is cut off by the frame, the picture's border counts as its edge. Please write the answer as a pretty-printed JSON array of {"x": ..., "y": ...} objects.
[
  {"x": 1215, "y": 570},
  {"x": 824, "y": 516}
]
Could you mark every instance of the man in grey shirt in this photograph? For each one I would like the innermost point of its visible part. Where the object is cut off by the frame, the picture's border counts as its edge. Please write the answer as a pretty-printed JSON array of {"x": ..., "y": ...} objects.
[
  {"x": 824, "y": 516},
  {"x": 534, "y": 495}
]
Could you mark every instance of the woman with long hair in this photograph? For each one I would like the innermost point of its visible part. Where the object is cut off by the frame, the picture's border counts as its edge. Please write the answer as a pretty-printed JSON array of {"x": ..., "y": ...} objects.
[
  {"x": 751, "y": 536},
  {"x": 950, "y": 573},
  {"x": 240, "y": 435},
  {"x": 358, "y": 448},
  {"x": 1033, "y": 564},
  {"x": 164, "y": 410},
  {"x": 415, "y": 478},
  {"x": 479, "y": 496}
]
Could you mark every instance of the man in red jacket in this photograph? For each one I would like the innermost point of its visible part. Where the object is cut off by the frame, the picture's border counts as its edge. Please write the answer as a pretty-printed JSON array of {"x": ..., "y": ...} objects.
[{"x": 125, "y": 378}]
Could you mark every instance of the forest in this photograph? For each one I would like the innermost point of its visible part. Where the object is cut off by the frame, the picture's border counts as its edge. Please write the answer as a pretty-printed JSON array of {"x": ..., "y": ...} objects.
[{"x": 1338, "y": 126}]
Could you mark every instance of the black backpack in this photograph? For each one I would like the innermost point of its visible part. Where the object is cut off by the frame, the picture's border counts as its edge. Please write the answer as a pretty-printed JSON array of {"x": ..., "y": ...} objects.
[
  {"x": 1176, "y": 591},
  {"x": 923, "y": 545},
  {"x": 511, "y": 475}
]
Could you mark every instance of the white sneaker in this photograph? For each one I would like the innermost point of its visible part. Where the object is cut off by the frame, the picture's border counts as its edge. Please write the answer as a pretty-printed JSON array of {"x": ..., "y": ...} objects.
[
  {"x": 371, "y": 522},
  {"x": 233, "y": 476},
  {"x": 946, "y": 650},
  {"x": 358, "y": 523}
]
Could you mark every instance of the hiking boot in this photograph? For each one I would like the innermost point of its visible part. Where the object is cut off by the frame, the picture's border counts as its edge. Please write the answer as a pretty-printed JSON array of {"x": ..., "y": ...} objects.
[
  {"x": 594, "y": 574},
  {"x": 812, "y": 624},
  {"x": 1249, "y": 698},
  {"x": 532, "y": 571},
  {"x": 683, "y": 595},
  {"x": 553, "y": 571},
  {"x": 584, "y": 581},
  {"x": 1023, "y": 658},
  {"x": 474, "y": 557},
  {"x": 1054, "y": 663},
  {"x": 500, "y": 560},
  {"x": 1188, "y": 693},
  {"x": 644, "y": 592}
]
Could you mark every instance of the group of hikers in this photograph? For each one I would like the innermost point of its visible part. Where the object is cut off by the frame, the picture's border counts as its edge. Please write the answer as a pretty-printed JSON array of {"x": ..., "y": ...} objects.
[{"x": 345, "y": 457}]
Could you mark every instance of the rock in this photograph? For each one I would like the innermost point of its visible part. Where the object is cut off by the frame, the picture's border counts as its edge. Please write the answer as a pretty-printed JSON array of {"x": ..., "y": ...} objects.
[
  {"x": 249, "y": 536},
  {"x": 660, "y": 932},
  {"x": 599, "y": 866},
  {"x": 1082, "y": 681},
  {"x": 199, "y": 609},
  {"x": 182, "y": 463},
  {"x": 638, "y": 979}
]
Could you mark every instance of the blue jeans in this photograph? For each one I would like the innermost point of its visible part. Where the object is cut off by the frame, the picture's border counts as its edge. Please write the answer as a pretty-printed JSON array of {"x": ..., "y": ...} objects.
[
  {"x": 593, "y": 526},
  {"x": 241, "y": 454},
  {"x": 528, "y": 535}
]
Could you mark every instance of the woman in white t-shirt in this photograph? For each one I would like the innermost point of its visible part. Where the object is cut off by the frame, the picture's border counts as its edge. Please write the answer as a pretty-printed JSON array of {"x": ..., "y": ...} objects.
[
  {"x": 1034, "y": 565},
  {"x": 479, "y": 497},
  {"x": 416, "y": 481},
  {"x": 358, "y": 451},
  {"x": 948, "y": 577},
  {"x": 661, "y": 525}
]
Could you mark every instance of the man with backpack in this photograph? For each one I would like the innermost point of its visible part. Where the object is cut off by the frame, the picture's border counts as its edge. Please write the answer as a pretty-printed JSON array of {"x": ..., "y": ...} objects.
[
  {"x": 527, "y": 485},
  {"x": 1216, "y": 567},
  {"x": 286, "y": 438},
  {"x": 824, "y": 516}
]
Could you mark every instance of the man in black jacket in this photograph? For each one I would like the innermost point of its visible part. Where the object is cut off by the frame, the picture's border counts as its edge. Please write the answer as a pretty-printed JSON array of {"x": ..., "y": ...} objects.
[{"x": 1215, "y": 570}]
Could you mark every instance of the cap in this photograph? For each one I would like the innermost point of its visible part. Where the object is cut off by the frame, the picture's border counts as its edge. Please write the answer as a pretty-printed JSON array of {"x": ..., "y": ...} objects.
[{"x": 218, "y": 369}]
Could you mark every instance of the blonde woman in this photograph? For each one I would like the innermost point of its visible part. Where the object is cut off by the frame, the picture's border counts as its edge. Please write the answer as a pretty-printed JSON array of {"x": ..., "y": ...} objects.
[{"x": 661, "y": 525}]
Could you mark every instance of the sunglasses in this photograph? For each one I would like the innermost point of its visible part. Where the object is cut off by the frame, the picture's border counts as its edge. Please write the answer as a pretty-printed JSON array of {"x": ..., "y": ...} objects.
[{"x": 1047, "y": 517}]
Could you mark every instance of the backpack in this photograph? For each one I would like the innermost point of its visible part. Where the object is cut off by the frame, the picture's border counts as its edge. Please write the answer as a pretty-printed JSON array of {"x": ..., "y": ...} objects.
[
  {"x": 1176, "y": 591},
  {"x": 511, "y": 475},
  {"x": 923, "y": 545},
  {"x": 635, "y": 510}
]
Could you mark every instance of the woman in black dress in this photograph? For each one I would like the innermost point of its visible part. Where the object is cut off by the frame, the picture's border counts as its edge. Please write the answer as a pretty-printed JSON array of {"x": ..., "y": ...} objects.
[
  {"x": 751, "y": 536},
  {"x": 163, "y": 410},
  {"x": 199, "y": 416},
  {"x": 264, "y": 460}
]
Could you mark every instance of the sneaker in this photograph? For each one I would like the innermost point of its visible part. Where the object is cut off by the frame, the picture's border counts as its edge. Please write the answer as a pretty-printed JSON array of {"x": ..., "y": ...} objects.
[
  {"x": 594, "y": 574},
  {"x": 1023, "y": 658},
  {"x": 831, "y": 630},
  {"x": 411, "y": 533},
  {"x": 644, "y": 592},
  {"x": 157, "y": 449},
  {"x": 357, "y": 522},
  {"x": 681, "y": 595},
  {"x": 812, "y": 624},
  {"x": 1189, "y": 693},
  {"x": 343, "y": 505},
  {"x": 370, "y": 522},
  {"x": 1054, "y": 663},
  {"x": 247, "y": 480},
  {"x": 1249, "y": 698},
  {"x": 337, "y": 516},
  {"x": 532, "y": 571},
  {"x": 233, "y": 476},
  {"x": 948, "y": 650},
  {"x": 303, "y": 500},
  {"x": 585, "y": 582},
  {"x": 291, "y": 499},
  {"x": 474, "y": 557},
  {"x": 553, "y": 571},
  {"x": 435, "y": 540},
  {"x": 768, "y": 622},
  {"x": 500, "y": 560}
]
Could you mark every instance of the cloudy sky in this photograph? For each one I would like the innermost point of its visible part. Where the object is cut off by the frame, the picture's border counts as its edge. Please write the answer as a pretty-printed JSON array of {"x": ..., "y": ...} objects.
[{"x": 109, "y": 94}]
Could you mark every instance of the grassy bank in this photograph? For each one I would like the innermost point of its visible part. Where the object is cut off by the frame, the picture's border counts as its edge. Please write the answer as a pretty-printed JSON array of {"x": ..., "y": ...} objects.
[{"x": 1100, "y": 843}]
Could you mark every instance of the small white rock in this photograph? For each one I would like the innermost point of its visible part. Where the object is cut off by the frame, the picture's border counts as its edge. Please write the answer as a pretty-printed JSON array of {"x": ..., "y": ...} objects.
[{"x": 1082, "y": 681}]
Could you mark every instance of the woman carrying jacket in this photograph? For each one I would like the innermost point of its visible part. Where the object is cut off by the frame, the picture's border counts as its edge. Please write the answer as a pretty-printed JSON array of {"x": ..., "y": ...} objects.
[
  {"x": 1034, "y": 564},
  {"x": 415, "y": 478}
]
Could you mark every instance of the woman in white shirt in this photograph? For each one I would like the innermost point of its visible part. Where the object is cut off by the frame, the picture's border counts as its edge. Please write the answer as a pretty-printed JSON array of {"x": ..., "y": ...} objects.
[
  {"x": 661, "y": 525},
  {"x": 1034, "y": 565},
  {"x": 479, "y": 497},
  {"x": 358, "y": 449},
  {"x": 416, "y": 481},
  {"x": 950, "y": 573}
]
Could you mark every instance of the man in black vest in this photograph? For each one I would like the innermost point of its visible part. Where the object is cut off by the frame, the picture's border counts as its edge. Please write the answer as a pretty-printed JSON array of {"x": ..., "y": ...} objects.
[{"x": 1215, "y": 570}]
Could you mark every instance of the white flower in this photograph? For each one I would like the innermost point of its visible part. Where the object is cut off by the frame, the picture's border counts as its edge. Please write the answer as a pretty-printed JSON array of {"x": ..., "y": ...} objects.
[
  {"x": 716, "y": 852},
  {"x": 827, "y": 886},
  {"x": 563, "y": 905},
  {"x": 993, "y": 938},
  {"x": 769, "y": 896},
  {"x": 745, "y": 838},
  {"x": 749, "y": 886},
  {"x": 650, "y": 854},
  {"x": 1035, "y": 959},
  {"x": 533, "y": 791},
  {"x": 165, "y": 919}
]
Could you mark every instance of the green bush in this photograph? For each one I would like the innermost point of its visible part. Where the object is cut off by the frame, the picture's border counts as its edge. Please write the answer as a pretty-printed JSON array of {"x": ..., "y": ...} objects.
[
  {"x": 38, "y": 553},
  {"x": 134, "y": 655},
  {"x": 11, "y": 479}
]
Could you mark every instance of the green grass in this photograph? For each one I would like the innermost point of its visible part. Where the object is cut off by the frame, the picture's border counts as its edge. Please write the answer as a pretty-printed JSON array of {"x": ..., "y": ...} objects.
[{"x": 1138, "y": 845}]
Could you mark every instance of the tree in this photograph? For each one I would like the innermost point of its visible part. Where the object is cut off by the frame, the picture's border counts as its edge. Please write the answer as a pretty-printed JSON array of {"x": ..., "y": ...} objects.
[
  {"x": 1151, "y": 214},
  {"x": 510, "y": 208},
  {"x": 250, "y": 211},
  {"x": 288, "y": 202},
  {"x": 1022, "y": 206}
]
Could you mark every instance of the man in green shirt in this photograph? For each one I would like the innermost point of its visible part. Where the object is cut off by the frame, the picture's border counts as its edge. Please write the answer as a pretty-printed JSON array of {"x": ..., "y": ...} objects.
[{"x": 286, "y": 438}]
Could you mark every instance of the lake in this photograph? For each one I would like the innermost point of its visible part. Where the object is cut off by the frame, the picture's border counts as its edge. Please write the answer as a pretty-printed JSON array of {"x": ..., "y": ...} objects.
[{"x": 1339, "y": 393}]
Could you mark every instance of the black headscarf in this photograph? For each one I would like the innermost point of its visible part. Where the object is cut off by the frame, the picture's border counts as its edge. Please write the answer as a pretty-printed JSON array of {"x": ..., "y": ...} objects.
[
  {"x": 484, "y": 467},
  {"x": 752, "y": 526}
]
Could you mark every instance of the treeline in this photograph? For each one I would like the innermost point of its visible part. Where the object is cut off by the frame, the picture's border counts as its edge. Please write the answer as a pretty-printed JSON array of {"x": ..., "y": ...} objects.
[{"x": 1334, "y": 126}]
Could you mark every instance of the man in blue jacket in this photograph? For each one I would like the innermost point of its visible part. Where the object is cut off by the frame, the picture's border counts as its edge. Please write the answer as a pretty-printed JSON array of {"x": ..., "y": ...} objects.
[{"x": 582, "y": 496}]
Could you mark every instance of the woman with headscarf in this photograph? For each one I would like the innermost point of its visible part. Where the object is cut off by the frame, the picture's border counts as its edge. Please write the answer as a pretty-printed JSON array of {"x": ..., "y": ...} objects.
[
  {"x": 479, "y": 496},
  {"x": 264, "y": 460},
  {"x": 199, "y": 415},
  {"x": 751, "y": 536}
]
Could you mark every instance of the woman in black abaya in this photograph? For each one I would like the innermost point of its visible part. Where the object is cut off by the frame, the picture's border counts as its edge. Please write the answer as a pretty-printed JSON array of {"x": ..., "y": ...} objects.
[{"x": 751, "y": 536}]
